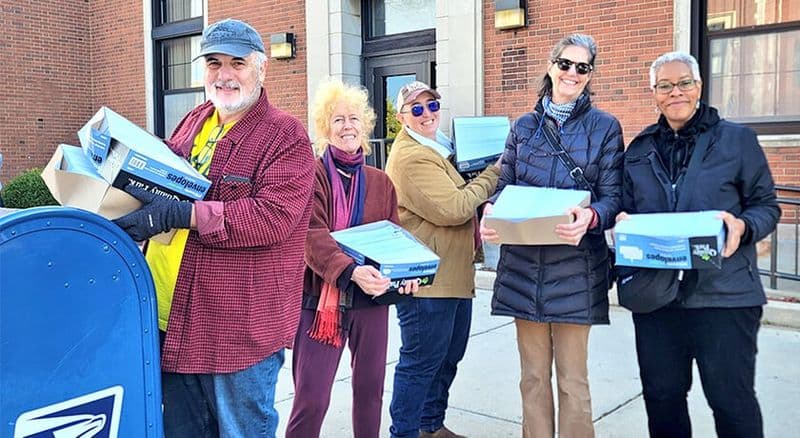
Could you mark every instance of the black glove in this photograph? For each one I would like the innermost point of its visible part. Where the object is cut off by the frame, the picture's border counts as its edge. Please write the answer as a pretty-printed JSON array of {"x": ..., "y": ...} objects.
[{"x": 157, "y": 215}]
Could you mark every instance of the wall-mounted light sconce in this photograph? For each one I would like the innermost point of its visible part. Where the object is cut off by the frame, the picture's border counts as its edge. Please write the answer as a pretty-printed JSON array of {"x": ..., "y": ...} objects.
[
  {"x": 509, "y": 14},
  {"x": 281, "y": 45}
]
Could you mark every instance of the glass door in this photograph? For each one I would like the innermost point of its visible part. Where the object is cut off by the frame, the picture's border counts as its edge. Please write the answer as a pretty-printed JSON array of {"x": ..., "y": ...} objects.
[{"x": 384, "y": 77}]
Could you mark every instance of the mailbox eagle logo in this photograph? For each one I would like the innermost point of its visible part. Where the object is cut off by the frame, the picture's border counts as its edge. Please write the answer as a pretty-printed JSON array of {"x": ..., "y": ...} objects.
[{"x": 87, "y": 416}]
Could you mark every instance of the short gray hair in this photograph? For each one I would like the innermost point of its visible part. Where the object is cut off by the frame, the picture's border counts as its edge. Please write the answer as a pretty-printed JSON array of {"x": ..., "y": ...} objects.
[
  {"x": 258, "y": 58},
  {"x": 576, "y": 39},
  {"x": 674, "y": 57}
]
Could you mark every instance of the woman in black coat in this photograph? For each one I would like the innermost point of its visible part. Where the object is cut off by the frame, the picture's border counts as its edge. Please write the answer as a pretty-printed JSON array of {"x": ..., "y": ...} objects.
[
  {"x": 556, "y": 292},
  {"x": 714, "y": 319}
]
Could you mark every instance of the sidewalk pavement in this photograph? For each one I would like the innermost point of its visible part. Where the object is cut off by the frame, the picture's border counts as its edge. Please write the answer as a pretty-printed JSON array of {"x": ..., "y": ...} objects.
[{"x": 485, "y": 401}]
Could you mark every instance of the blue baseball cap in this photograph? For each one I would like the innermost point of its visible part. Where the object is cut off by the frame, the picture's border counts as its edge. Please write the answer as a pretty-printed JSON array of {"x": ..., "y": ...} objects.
[{"x": 230, "y": 37}]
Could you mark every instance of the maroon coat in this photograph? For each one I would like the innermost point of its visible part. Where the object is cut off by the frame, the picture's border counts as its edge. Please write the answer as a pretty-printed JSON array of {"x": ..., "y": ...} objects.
[
  {"x": 324, "y": 259},
  {"x": 237, "y": 299}
]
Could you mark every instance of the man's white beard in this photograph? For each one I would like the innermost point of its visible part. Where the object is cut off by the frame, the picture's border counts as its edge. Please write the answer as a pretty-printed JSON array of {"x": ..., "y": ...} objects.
[{"x": 234, "y": 107}]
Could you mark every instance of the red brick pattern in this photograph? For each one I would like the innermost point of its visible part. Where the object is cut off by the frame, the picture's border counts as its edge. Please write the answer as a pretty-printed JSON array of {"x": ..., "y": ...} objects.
[
  {"x": 785, "y": 164},
  {"x": 629, "y": 36},
  {"x": 47, "y": 70},
  {"x": 118, "y": 67}
]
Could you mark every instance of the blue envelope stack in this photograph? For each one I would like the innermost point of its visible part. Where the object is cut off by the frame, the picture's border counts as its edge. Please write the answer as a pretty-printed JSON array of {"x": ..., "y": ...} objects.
[
  {"x": 127, "y": 154},
  {"x": 693, "y": 240},
  {"x": 479, "y": 141},
  {"x": 393, "y": 251}
]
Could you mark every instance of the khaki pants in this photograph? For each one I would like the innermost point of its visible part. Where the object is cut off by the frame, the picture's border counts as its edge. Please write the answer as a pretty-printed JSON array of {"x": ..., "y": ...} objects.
[{"x": 537, "y": 344}]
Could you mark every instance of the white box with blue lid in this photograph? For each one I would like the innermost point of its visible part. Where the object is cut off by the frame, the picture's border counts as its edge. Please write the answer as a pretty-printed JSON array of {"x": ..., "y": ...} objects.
[
  {"x": 127, "y": 154},
  {"x": 687, "y": 240},
  {"x": 393, "y": 251}
]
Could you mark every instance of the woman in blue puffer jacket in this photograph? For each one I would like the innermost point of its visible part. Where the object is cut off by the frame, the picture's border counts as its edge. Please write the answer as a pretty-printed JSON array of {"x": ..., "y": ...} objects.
[{"x": 556, "y": 292}]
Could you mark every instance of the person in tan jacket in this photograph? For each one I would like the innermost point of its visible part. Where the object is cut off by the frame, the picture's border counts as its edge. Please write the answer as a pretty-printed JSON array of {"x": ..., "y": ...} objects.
[{"x": 438, "y": 207}]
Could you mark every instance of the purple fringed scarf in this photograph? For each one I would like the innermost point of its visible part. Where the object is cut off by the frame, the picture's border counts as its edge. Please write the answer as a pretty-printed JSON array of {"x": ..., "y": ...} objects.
[{"x": 346, "y": 210}]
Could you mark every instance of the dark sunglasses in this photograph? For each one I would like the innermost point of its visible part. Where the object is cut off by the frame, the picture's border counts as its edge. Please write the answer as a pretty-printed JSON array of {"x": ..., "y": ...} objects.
[
  {"x": 581, "y": 68},
  {"x": 417, "y": 109}
]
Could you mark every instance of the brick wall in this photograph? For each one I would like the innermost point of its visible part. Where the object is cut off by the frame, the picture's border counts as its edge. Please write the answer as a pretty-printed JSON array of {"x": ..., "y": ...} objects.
[
  {"x": 628, "y": 40},
  {"x": 117, "y": 60},
  {"x": 65, "y": 60},
  {"x": 784, "y": 163},
  {"x": 47, "y": 73},
  {"x": 286, "y": 79}
]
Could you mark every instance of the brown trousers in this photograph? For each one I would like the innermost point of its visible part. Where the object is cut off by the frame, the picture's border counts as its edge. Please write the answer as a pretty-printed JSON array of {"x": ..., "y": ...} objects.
[{"x": 538, "y": 343}]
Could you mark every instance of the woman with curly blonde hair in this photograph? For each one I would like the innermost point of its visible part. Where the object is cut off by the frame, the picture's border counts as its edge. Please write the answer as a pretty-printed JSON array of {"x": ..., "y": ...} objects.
[{"x": 338, "y": 303}]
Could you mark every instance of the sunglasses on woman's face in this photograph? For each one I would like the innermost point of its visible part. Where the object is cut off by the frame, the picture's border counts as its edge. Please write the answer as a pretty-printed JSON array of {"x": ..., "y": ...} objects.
[
  {"x": 417, "y": 109},
  {"x": 581, "y": 68}
]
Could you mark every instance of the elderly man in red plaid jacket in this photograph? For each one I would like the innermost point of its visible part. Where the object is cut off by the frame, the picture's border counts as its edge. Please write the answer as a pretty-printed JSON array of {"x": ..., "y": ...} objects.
[{"x": 229, "y": 284}]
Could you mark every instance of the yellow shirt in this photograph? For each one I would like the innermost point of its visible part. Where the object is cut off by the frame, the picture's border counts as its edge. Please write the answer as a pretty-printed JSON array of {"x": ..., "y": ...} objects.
[{"x": 165, "y": 260}]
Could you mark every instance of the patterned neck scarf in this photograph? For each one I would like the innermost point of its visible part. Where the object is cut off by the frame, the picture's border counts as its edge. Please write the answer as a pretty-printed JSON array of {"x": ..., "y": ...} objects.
[
  {"x": 560, "y": 112},
  {"x": 347, "y": 210}
]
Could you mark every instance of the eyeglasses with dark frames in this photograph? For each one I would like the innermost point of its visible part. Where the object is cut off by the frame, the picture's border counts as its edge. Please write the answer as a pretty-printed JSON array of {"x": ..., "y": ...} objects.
[
  {"x": 417, "y": 109},
  {"x": 665, "y": 87},
  {"x": 581, "y": 68}
]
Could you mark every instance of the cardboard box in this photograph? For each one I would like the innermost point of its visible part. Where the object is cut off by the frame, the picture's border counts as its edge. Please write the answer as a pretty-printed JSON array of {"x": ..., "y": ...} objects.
[
  {"x": 671, "y": 240},
  {"x": 74, "y": 181},
  {"x": 127, "y": 154},
  {"x": 479, "y": 141},
  {"x": 528, "y": 215},
  {"x": 393, "y": 251}
]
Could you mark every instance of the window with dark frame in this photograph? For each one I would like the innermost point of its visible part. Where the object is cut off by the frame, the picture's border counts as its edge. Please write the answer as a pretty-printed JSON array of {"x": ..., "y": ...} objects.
[
  {"x": 398, "y": 45},
  {"x": 392, "y": 17},
  {"x": 751, "y": 67},
  {"x": 178, "y": 81}
]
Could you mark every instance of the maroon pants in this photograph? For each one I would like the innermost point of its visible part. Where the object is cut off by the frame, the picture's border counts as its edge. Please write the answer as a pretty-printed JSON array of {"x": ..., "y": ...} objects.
[{"x": 314, "y": 368}]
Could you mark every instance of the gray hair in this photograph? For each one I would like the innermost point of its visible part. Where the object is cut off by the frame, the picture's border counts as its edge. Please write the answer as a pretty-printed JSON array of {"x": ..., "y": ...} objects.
[
  {"x": 258, "y": 58},
  {"x": 666, "y": 58},
  {"x": 576, "y": 39}
]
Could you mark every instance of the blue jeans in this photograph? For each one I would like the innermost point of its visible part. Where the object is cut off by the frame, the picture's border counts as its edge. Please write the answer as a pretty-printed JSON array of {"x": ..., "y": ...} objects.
[
  {"x": 723, "y": 343},
  {"x": 239, "y": 404},
  {"x": 434, "y": 333}
]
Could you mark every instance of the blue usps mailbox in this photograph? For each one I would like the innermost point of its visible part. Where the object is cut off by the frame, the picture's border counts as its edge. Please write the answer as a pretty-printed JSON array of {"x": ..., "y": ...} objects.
[{"x": 78, "y": 335}]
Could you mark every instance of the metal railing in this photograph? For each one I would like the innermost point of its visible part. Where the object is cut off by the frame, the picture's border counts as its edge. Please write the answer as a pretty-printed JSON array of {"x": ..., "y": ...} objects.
[
  {"x": 784, "y": 254},
  {"x": 380, "y": 151}
]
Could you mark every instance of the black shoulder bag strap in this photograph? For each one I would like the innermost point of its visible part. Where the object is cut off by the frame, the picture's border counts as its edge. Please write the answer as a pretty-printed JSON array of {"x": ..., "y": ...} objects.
[{"x": 575, "y": 172}]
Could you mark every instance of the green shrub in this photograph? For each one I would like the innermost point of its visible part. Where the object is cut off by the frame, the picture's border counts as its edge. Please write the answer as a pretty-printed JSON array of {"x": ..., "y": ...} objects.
[{"x": 27, "y": 190}]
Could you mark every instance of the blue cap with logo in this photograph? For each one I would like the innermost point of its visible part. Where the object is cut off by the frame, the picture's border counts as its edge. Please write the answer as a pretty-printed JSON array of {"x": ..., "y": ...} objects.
[{"x": 230, "y": 37}]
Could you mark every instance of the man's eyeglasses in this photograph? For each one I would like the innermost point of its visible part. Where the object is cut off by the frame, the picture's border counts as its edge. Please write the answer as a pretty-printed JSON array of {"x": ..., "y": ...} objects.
[
  {"x": 417, "y": 109},
  {"x": 581, "y": 68},
  {"x": 665, "y": 87}
]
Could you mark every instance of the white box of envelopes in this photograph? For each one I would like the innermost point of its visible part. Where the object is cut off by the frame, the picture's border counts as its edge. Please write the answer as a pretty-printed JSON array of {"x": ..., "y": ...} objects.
[
  {"x": 693, "y": 240},
  {"x": 479, "y": 141},
  {"x": 393, "y": 251},
  {"x": 526, "y": 215},
  {"x": 127, "y": 154}
]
